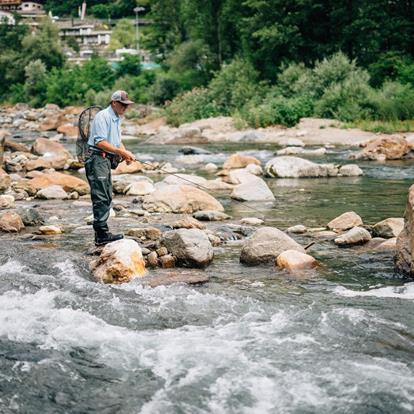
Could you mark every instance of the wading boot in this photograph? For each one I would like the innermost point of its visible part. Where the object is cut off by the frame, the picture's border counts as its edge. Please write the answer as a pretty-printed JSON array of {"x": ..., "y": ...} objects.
[{"x": 103, "y": 237}]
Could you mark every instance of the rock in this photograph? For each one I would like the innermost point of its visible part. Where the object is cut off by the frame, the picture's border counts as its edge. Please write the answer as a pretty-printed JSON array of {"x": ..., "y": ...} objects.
[
  {"x": 151, "y": 233},
  {"x": 350, "y": 170},
  {"x": 265, "y": 245},
  {"x": 190, "y": 278},
  {"x": 325, "y": 234},
  {"x": 31, "y": 217},
  {"x": 120, "y": 261},
  {"x": 68, "y": 130},
  {"x": 180, "y": 199},
  {"x": 294, "y": 142},
  {"x": 388, "y": 228},
  {"x": 162, "y": 251},
  {"x": 44, "y": 146},
  {"x": 52, "y": 192},
  {"x": 254, "y": 190},
  {"x": 5, "y": 180},
  {"x": 302, "y": 151},
  {"x": 140, "y": 188},
  {"x": 384, "y": 148},
  {"x": 345, "y": 221},
  {"x": 293, "y": 260},
  {"x": 121, "y": 182},
  {"x": 298, "y": 229},
  {"x": 133, "y": 168},
  {"x": 191, "y": 247},
  {"x": 188, "y": 222},
  {"x": 68, "y": 182},
  {"x": 57, "y": 162},
  {"x": 357, "y": 235},
  {"x": 11, "y": 222},
  {"x": 152, "y": 259},
  {"x": 387, "y": 245},
  {"x": 294, "y": 167},
  {"x": 167, "y": 261},
  {"x": 50, "y": 230},
  {"x": 217, "y": 185},
  {"x": 405, "y": 241},
  {"x": 6, "y": 201},
  {"x": 251, "y": 221},
  {"x": 187, "y": 150},
  {"x": 210, "y": 167},
  {"x": 239, "y": 161},
  {"x": 178, "y": 179},
  {"x": 211, "y": 215},
  {"x": 13, "y": 146},
  {"x": 254, "y": 169}
]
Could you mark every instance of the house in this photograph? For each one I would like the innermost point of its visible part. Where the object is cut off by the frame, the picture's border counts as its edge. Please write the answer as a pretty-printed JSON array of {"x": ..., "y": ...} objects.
[{"x": 33, "y": 8}]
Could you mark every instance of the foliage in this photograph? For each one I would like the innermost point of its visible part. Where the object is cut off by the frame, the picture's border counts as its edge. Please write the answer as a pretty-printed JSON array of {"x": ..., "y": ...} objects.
[
  {"x": 276, "y": 110},
  {"x": 35, "y": 84},
  {"x": 123, "y": 35},
  {"x": 384, "y": 127},
  {"x": 129, "y": 65},
  {"x": 165, "y": 89},
  {"x": 188, "y": 107}
]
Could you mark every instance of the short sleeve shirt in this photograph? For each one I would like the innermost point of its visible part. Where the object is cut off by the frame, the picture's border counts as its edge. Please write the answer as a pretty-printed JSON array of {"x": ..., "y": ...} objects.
[{"x": 106, "y": 126}]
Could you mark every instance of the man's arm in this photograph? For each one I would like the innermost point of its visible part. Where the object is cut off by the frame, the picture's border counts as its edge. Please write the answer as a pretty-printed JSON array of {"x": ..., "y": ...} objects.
[{"x": 125, "y": 154}]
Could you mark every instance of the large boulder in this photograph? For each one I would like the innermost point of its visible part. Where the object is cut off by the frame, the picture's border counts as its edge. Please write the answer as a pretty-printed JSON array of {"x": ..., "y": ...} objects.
[
  {"x": 389, "y": 228},
  {"x": 52, "y": 192},
  {"x": 384, "y": 148},
  {"x": 180, "y": 199},
  {"x": 140, "y": 188},
  {"x": 255, "y": 189},
  {"x": 239, "y": 161},
  {"x": 44, "y": 146},
  {"x": 132, "y": 168},
  {"x": 404, "y": 259},
  {"x": 345, "y": 221},
  {"x": 191, "y": 247},
  {"x": 11, "y": 222},
  {"x": 5, "y": 180},
  {"x": 68, "y": 182},
  {"x": 120, "y": 261},
  {"x": 265, "y": 245},
  {"x": 294, "y": 167},
  {"x": 121, "y": 183},
  {"x": 31, "y": 216},
  {"x": 186, "y": 179}
]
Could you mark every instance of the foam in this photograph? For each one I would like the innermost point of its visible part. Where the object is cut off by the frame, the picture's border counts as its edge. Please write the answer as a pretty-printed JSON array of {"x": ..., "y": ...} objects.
[{"x": 401, "y": 292}]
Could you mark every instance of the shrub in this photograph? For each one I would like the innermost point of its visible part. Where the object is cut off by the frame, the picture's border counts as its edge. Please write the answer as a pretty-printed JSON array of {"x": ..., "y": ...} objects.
[
  {"x": 164, "y": 89},
  {"x": 233, "y": 86},
  {"x": 295, "y": 79},
  {"x": 395, "y": 101},
  {"x": 129, "y": 65},
  {"x": 275, "y": 110},
  {"x": 190, "y": 106},
  {"x": 35, "y": 84},
  {"x": 348, "y": 100}
]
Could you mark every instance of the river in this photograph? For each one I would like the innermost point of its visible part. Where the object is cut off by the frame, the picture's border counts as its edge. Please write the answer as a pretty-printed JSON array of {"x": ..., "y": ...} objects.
[{"x": 251, "y": 340}]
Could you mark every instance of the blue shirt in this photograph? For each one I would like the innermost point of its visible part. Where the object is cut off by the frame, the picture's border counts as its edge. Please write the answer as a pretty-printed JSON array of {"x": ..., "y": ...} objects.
[{"x": 106, "y": 126}]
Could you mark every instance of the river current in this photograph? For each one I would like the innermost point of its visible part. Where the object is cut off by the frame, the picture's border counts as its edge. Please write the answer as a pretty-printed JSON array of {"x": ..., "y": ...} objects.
[{"x": 251, "y": 340}]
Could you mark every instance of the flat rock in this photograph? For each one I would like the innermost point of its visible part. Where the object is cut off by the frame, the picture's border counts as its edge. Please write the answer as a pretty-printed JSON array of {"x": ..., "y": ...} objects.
[
  {"x": 180, "y": 199},
  {"x": 122, "y": 182},
  {"x": 50, "y": 230},
  {"x": 345, "y": 221},
  {"x": 251, "y": 221},
  {"x": 151, "y": 233},
  {"x": 211, "y": 215},
  {"x": 52, "y": 192},
  {"x": 188, "y": 222},
  {"x": 68, "y": 182},
  {"x": 191, "y": 278},
  {"x": 254, "y": 190},
  {"x": 140, "y": 188},
  {"x": 239, "y": 161},
  {"x": 298, "y": 229}
]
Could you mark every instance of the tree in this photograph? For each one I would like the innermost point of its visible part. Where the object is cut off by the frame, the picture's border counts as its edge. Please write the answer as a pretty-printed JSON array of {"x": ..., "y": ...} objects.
[
  {"x": 35, "y": 84},
  {"x": 123, "y": 35},
  {"x": 129, "y": 65}
]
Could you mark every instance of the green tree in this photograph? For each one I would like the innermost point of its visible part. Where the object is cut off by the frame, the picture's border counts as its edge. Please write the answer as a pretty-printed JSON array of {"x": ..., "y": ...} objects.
[
  {"x": 123, "y": 35},
  {"x": 35, "y": 84},
  {"x": 129, "y": 65}
]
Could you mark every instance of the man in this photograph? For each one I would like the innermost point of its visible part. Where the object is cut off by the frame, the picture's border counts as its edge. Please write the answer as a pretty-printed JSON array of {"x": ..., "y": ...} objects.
[{"x": 105, "y": 144}]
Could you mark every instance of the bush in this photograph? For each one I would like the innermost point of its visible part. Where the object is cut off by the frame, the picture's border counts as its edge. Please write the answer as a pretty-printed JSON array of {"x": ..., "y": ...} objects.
[
  {"x": 35, "y": 84},
  {"x": 129, "y": 65},
  {"x": 395, "y": 101},
  {"x": 295, "y": 80},
  {"x": 234, "y": 86},
  {"x": 348, "y": 100},
  {"x": 164, "y": 89},
  {"x": 276, "y": 110},
  {"x": 190, "y": 106}
]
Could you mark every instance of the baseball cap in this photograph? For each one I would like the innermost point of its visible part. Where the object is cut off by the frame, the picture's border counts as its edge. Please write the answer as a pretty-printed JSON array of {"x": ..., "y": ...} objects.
[{"x": 121, "y": 96}]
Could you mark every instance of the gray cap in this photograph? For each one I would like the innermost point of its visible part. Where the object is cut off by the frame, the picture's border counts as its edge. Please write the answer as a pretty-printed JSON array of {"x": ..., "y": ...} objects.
[{"x": 121, "y": 96}]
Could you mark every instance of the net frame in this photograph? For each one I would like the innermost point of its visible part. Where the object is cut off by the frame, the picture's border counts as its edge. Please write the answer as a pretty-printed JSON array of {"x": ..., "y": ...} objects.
[{"x": 86, "y": 118}]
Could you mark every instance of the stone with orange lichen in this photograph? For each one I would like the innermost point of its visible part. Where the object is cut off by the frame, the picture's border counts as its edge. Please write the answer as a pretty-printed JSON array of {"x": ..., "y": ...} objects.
[{"x": 119, "y": 262}]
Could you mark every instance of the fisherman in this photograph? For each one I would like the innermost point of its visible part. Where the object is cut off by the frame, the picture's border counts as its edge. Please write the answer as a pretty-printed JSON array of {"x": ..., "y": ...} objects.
[{"x": 107, "y": 150}]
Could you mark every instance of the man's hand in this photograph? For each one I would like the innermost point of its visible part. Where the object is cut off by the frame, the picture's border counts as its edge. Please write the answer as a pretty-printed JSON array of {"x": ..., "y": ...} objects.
[{"x": 128, "y": 156}]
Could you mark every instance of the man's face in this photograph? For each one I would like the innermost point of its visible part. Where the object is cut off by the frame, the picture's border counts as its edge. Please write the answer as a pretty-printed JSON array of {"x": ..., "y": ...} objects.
[{"x": 119, "y": 107}]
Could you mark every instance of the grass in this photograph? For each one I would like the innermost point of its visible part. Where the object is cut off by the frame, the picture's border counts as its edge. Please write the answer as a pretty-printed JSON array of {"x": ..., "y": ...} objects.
[{"x": 385, "y": 127}]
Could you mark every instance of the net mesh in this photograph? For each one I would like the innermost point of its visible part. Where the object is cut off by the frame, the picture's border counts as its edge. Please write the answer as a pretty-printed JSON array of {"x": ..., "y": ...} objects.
[{"x": 84, "y": 129}]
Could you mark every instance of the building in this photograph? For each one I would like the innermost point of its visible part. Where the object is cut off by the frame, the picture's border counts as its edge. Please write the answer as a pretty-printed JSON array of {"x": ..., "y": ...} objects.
[
  {"x": 85, "y": 34},
  {"x": 33, "y": 8}
]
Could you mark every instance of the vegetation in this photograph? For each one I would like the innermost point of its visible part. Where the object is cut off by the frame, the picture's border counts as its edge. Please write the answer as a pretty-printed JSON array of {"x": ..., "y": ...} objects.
[{"x": 263, "y": 61}]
